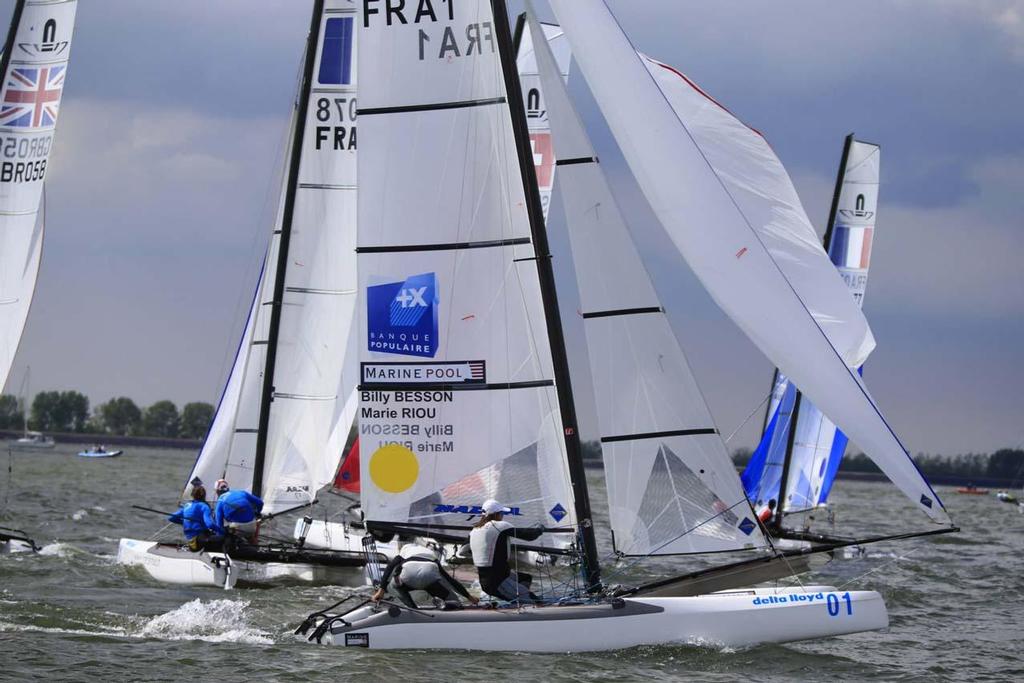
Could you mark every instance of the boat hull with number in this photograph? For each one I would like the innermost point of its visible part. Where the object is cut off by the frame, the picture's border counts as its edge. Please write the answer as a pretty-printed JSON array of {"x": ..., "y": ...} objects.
[{"x": 730, "y": 619}]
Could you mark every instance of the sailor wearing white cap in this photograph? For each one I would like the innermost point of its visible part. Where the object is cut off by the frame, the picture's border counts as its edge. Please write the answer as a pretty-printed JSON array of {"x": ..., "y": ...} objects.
[{"x": 489, "y": 541}]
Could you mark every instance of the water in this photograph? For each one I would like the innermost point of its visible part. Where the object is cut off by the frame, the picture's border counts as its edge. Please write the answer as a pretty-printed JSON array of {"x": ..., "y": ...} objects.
[{"x": 70, "y": 613}]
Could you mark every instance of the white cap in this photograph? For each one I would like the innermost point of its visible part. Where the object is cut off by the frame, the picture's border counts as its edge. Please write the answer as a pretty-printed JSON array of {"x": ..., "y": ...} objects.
[{"x": 493, "y": 507}]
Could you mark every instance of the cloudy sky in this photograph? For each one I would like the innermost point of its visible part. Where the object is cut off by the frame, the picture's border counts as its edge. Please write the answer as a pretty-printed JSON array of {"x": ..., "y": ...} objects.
[{"x": 171, "y": 137}]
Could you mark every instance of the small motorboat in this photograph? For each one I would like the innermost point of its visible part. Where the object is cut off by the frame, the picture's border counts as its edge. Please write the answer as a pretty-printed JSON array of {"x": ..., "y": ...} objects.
[
  {"x": 972, "y": 490},
  {"x": 34, "y": 441},
  {"x": 1005, "y": 497},
  {"x": 99, "y": 451}
]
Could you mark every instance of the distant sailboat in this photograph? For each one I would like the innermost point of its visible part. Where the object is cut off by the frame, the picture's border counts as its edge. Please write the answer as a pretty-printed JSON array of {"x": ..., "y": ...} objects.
[
  {"x": 465, "y": 390},
  {"x": 290, "y": 398},
  {"x": 33, "y": 67},
  {"x": 797, "y": 467},
  {"x": 30, "y": 440}
]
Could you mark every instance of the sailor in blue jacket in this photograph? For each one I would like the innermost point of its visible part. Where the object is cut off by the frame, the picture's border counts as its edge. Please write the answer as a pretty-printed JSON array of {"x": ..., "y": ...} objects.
[
  {"x": 196, "y": 518},
  {"x": 237, "y": 511}
]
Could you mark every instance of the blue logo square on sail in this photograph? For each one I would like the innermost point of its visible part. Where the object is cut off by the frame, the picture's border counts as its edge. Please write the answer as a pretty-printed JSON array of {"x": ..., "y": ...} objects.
[
  {"x": 746, "y": 526},
  {"x": 558, "y": 512},
  {"x": 402, "y": 316},
  {"x": 336, "y": 54}
]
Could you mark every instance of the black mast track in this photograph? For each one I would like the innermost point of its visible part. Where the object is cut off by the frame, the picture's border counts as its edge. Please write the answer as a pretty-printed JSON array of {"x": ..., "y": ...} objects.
[
  {"x": 794, "y": 416},
  {"x": 12, "y": 34},
  {"x": 517, "y": 34},
  {"x": 282, "y": 249},
  {"x": 546, "y": 276},
  {"x": 835, "y": 195}
]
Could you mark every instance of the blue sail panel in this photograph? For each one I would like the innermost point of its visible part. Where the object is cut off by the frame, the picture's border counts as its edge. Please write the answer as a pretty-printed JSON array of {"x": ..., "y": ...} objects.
[{"x": 763, "y": 476}]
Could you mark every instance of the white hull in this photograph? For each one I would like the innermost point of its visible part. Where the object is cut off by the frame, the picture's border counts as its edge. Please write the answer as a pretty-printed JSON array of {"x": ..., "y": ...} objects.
[
  {"x": 337, "y": 536},
  {"x": 177, "y": 566},
  {"x": 730, "y": 619},
  {"x": 14, "y": 546},
  {"x": 20, "y": 445}
]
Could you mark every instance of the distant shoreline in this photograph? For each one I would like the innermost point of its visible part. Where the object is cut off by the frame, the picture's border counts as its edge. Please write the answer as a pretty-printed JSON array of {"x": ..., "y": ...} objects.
[{"x": 112, "y": 440}]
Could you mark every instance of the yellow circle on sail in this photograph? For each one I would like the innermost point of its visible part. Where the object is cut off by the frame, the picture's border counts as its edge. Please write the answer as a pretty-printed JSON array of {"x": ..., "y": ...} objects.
[{"x": 394, "y": 468}]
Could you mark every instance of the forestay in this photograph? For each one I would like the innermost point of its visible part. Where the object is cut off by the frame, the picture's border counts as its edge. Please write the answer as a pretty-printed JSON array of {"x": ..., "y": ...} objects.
[
  {"x": 457, "y": 402},
  {"x": 672, "y": 487},
  {"x": 818, "y": 446},
  {"x": 726, "y": 201},
  {"x": 35, "y": 65},
  {"x": 315, "y": 372}
]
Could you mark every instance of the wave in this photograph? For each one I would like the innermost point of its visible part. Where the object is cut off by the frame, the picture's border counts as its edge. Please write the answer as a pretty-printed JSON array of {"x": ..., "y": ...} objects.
[{"x": 216, "y": 621}]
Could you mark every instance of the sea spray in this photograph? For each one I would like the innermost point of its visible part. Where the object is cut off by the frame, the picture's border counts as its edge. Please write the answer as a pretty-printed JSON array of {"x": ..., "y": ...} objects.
[{"x": 216, "y": 621}]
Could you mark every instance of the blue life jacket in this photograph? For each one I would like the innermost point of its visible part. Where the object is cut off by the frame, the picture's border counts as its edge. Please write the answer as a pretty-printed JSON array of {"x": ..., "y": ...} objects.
[
  {"x": 195, "y": 517},
  {"x": 236, "y": 506}
]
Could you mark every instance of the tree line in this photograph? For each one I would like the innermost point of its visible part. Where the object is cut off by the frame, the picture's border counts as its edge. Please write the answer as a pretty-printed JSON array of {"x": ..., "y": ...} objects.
[
  {"x": 1006, "y": 464},
  {"x": 68, "y": 411}
]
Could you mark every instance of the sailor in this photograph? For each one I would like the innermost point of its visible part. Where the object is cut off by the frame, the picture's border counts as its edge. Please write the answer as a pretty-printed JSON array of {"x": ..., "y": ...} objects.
[
  {"x": 196, "y": 518},
  {"x": 237, "y": 511},
  {"x": 765, "y": 516},
  {"x": 415, "y": 567},
  {"x": 489, "y": 542}
]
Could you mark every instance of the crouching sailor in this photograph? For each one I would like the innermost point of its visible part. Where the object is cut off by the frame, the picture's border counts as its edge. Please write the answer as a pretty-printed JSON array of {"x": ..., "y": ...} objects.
[
  {"x": 416, "y": 568},
  {"x": 237, "y": 511},
  {"x": 489, "y": 541},
  {"x": 196, "y": 519}
]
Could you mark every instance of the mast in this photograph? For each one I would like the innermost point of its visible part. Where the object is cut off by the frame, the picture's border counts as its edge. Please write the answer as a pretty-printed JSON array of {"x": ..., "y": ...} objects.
[
  {"x": 12, "y": 34},
  {"x": 267, "y": 395},
  {"x": 795, "y": 414},
  {"x": 546, "y": 276}
]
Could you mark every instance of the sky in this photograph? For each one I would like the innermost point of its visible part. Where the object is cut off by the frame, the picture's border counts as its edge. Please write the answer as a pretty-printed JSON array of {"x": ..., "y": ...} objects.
[{"x": 163, "y": 181}]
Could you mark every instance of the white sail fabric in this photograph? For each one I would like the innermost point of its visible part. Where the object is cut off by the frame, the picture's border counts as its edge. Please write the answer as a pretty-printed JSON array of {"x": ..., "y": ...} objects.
[
  {"x": 818, "y": 445},
  {"x": 457, "y": 402},
  {"x": 533, "y": 101},
  {"x": 726, "y": 202},
  {"x": 315, "y": 375},
  {"x": 31, "y": 94},
  {"x": 672, "y": 487}
]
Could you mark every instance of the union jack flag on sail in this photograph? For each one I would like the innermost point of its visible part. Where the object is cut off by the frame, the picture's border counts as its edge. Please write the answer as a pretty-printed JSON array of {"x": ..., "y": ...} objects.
[{"x": 32, "y": 97}]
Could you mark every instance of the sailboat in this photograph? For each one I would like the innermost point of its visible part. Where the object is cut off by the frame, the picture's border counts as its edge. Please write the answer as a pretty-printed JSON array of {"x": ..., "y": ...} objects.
[
  {"x": 289, "y": 400},
  {"x": 31, "y": 440},
  {"x": 796, "y": 467},
  {"x": 34, "y": 67},
  {"x": 465, "y": 390}
]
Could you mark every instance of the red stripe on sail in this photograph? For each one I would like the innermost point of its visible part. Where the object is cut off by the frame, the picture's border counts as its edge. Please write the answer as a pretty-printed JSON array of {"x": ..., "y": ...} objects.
[{"x": 347, "y": 478}]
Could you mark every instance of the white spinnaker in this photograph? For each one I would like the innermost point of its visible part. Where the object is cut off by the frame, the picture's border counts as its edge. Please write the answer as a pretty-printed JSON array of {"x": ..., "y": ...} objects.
[
  {"x": 811, "y": 468},
  {"x": 536, "y": 110},
  {"x": 457, "y": 402},
  {"x": 31, "y": 92},
  {"x": 672, "y": 487},
  {"x": 315, "y": 376},
  {"x": 723, "y": 198}
]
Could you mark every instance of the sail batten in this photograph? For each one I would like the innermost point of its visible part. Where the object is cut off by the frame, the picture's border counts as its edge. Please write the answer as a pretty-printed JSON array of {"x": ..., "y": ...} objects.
[{"x": 729, "y": 207}]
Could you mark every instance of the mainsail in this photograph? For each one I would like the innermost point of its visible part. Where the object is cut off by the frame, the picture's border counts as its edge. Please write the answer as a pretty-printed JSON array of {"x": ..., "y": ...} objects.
[
  {"x": 728, "y": 205},
  {"x": 290, "y": 398},
  {"x": 817, "y": 447},
  {"x": 462, "y": 395},
  {"x": 34, "y": 67},
  {"x": 672, "y": 487}
]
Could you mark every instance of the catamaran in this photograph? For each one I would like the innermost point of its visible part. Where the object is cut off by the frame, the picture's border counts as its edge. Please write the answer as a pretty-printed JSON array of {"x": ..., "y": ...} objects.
[
  {"x": 34, "y": 67},
  {"x": 289, "y": 401},
  {"x": 465, "y": 390},
  {"x": 797, "y": 467}
]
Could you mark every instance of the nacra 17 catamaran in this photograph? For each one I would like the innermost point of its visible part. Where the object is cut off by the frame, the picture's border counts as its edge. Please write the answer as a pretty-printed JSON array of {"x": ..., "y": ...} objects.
[
  {"x": 465, "y": 391},
  {"x": 33, "y": 67},
  {"x": 289, "y": 401}
]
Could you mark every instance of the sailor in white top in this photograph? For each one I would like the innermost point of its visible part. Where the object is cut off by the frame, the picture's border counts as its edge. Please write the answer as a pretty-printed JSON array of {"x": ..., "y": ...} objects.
[
  {"x": 489, "y": 541},
  {"x": 415, "y": 567}
]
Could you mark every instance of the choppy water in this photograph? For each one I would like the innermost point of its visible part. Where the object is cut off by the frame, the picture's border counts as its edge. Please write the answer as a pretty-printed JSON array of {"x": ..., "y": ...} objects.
[{"x": 70, "y": 613}]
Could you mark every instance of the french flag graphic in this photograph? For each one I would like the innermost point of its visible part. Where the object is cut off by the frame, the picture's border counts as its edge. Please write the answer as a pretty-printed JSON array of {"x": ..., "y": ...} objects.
[{"x": 851, "y": 247}]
